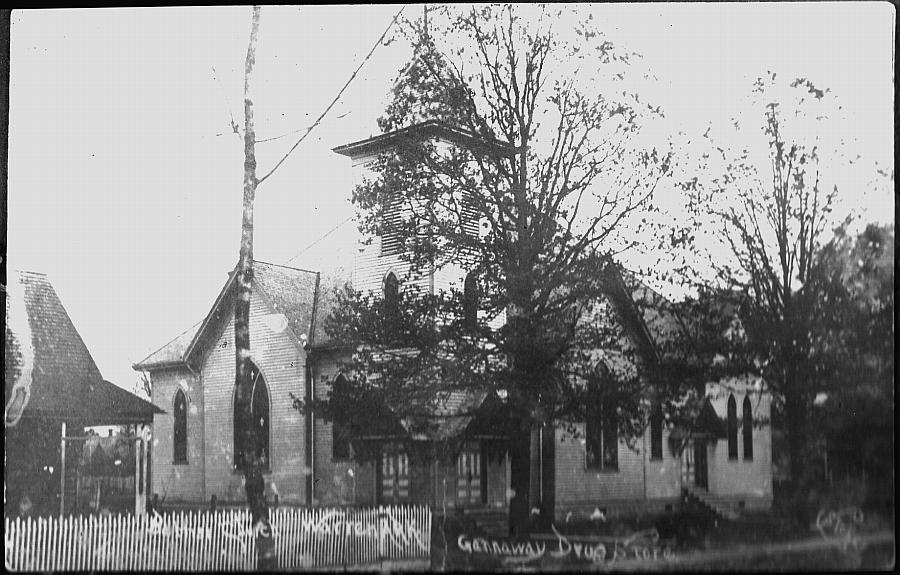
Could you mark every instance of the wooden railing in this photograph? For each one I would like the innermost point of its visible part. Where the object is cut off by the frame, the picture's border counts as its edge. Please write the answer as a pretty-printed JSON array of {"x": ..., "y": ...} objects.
[{"x": 222, "y": 540}]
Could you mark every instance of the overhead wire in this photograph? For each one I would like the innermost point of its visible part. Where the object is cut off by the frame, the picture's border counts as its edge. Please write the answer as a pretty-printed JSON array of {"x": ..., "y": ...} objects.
[
  {"x": 328, "y": 233},
  {"x": 336, "y": 98}
]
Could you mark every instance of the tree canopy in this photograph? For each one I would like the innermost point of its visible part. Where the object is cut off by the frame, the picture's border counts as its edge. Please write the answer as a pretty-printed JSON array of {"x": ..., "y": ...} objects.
[
  {"x": 770, "y": 233},
  {"x": 535, "y": 210}
]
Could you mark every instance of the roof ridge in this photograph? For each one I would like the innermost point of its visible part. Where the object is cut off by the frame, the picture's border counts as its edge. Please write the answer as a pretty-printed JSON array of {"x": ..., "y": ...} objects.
[
  {"x": 160, "y": 348},
  {"x": 31, "y": 272},
  {"x": 284, "y": 266}
]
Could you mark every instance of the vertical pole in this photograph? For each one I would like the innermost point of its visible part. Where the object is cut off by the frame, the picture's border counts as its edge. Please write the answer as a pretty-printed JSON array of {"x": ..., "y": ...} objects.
[
  {"x": 541, "y": 464},
  {"x": 137, "y": 476},
  {"x": 62, "y": 469}
]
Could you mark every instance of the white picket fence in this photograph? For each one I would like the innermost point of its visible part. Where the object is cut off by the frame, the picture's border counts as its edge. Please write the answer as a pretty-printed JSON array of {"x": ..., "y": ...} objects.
[{"x": 222, "y": 540}]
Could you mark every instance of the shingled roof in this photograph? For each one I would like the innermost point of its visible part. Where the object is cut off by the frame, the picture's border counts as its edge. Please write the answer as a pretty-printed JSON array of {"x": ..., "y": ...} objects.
[
  {"x": 449, "y": 416},
  {"x": 290, "y": 291},
  {"x": 45, "y": 353}
]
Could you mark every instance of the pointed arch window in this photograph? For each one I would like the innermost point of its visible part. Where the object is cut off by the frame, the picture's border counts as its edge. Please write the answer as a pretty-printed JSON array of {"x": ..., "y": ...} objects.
[
  {"x": 732, "y": 428},
  {"x": 179, "y": 431},
  {"x": 656, "y": 425},
  {"x": 747, "y": 423},
  {"x": 392, "y": 304},
  {"x": 470, "y": 302},
  {"x": 602, "y": 434},
  {"x": 340, "y": 432},
  {"x": 259, "y": 418}
]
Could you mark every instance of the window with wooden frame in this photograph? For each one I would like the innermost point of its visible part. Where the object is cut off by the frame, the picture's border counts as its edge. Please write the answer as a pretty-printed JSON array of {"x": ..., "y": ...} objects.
[
  {"x": 259, "y": 418},
  {"x": 392, "y": 305},
  {"x": 602, "y": 437},
  {"x": 340, "y": 432},
  {"x": 747, "y": 423},
  {"x": 656, "y": 435},
  {"x": 470, "y": 302},
  {"x": 179, "y": 431},
  {"x": 731, "y": 428},
  {"x": 469, "y": 215},
  {"x": 392, "y": 220}
]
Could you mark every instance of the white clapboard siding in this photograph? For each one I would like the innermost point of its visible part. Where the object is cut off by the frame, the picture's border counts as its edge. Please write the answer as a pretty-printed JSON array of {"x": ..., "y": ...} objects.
[{"x": 220, "y": 540}]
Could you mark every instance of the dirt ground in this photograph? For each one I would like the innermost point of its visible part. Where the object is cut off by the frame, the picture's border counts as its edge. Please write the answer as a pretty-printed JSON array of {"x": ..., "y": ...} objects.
[{"x": 685, "y": 541}]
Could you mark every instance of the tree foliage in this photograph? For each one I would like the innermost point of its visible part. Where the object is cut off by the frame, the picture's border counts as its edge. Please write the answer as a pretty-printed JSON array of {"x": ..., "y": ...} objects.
[
  {"x": 855, "y": 415},
  {"x": 544, "y": 188},
  {"x": 768, "y": 231}
]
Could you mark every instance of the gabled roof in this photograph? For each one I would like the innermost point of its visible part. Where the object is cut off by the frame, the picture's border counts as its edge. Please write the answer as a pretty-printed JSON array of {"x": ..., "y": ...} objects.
[
  {"x": 173, "y": 352},
  {"x": 449, "y": 416},
  {"x": 289, "y": 291},
  {"x": 292, "y": 292},
  {"x": 429, "y": 129},
  {"x": 622, "y": 296},
  {"x": 45, "y": 353},
  {"x": 326, "y": 302}
]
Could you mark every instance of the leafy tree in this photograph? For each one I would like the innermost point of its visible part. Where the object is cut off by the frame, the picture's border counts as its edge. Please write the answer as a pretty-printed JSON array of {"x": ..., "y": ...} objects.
[
  {"x": 856, "y": 412},
  {"x": 766, "y": 239},
  {"x": 545, "y": 186}
]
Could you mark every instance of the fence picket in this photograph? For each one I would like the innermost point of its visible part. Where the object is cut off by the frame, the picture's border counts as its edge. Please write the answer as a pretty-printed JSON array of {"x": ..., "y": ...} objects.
[{"x": 223, "y": 540}]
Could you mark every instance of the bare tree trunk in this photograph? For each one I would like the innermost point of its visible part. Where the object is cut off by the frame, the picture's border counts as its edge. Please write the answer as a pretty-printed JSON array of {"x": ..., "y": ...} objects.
[{"x": 247, "y": 454}]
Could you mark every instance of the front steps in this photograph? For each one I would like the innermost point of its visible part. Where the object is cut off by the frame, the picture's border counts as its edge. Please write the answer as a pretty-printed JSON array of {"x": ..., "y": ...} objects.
[
  {"x": 724, "y": 506},
  {"x": 492, "y": 521}
]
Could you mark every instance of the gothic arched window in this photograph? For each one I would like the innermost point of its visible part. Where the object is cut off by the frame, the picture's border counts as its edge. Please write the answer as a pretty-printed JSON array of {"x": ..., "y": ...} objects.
[
  {"x": 656, "y": 424},
  {"x": 747, "y": 423},
  {"x": 259, "y": 418},
  {"x": 179, "y": 431},
  {"x": 601, "y": 433},
  {"x": 732, "y": 428},
  {"x": 470, "y": 302},
  {"x": 392, "y": 304},
  {"x": 340, "y": 432}
]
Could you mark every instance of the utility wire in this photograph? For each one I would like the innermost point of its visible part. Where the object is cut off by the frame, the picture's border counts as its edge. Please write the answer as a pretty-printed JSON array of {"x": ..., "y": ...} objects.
[
  {"x": 336, "y": 98},
  {"x": 328, "y": 233},
  {"x": 298, "y": 130}
]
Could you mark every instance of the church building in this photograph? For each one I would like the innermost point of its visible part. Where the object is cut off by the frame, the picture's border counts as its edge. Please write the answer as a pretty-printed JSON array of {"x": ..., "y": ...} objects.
[{"x": 726, "y": 463}]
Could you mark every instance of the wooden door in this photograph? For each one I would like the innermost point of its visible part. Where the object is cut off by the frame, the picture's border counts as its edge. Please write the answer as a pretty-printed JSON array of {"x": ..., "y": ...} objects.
[
  {"x": 394, "y": 477},
  {"x": 469, "y": 476}
]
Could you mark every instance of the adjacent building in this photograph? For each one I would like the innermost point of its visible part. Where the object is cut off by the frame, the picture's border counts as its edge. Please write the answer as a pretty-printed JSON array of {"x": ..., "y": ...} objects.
[{"x": 53, "y": 390}]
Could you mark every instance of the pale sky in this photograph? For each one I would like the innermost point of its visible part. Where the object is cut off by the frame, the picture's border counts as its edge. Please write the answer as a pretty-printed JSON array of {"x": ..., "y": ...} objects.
[{"x": 125, "y": 181}]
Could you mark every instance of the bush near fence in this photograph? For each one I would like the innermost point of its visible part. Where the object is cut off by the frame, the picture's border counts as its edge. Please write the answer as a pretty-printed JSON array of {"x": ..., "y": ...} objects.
[{"x": 220, "y": 540}]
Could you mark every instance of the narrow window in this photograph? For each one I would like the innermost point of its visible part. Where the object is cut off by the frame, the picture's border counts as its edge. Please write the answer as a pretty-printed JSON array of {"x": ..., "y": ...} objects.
[
  {"x": 340, "y": 433},
  {"x": 610, "y": 437},
  {"x": 392, "y": 305},
  {"x": 469, "y": 215},
  {"x": 656, "y": 425},
  {"x": 601, "y": 441},
  {"x": 259, "y": 419},
  {"x": 470, "y": 302},
  {"x": 391, "y": 223},
  {"x": 179, "y": 435},
  {"x": 593, "y": 436},
  {"x": 748, "y": 429},
  {"x": 732, "y": 428}
]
